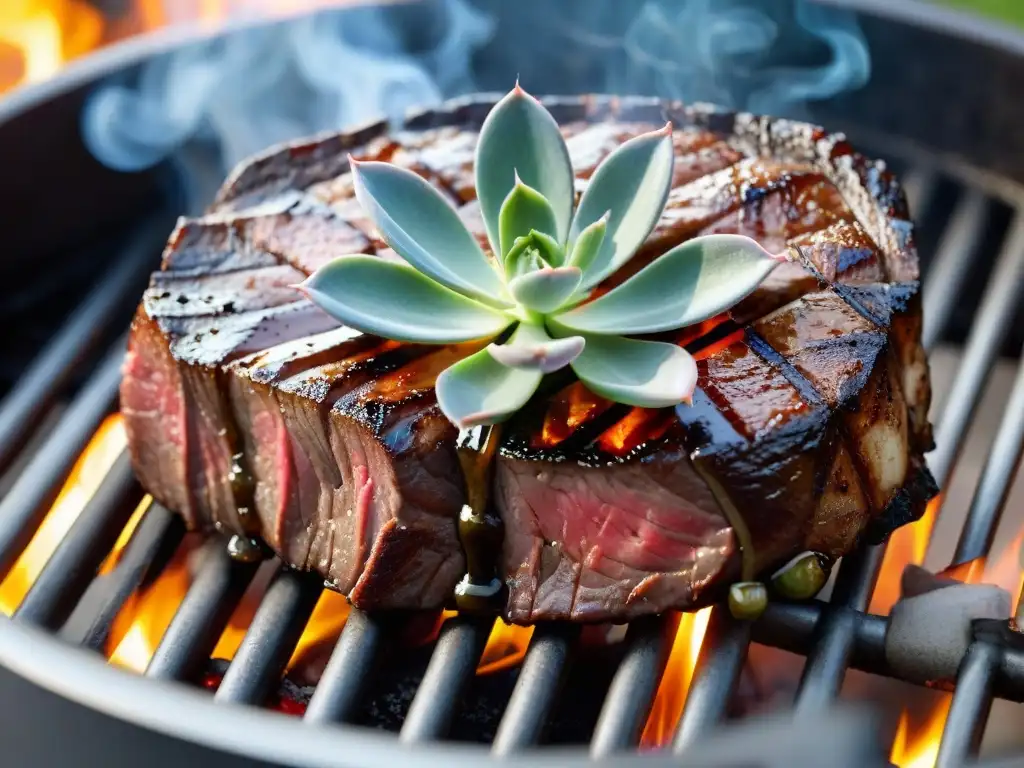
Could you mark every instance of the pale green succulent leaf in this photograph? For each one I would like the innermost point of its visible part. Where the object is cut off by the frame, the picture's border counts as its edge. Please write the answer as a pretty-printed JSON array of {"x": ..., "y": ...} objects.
[
  {"x": 397, "y": 302},
  {"x": 533, "y": 349},
  {"x": 648, "y": 374},
  {"x": 424, "y": 229},
  {"x": 588, "y": 245},
  {"x": 525, "y": 210},
  {"x": 532, "y": 252},
  {"x": 545, "y": 290},
  {"x": 480, "y": 390},
  {"x": 520, "y": 136},
  {"x": 633, "y": 183},
  {"x": 691, "y": 283}
]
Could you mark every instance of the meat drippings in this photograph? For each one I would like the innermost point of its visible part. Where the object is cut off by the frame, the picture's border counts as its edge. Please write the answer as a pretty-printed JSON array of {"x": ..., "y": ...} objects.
[{"x": 480, "y": 528}]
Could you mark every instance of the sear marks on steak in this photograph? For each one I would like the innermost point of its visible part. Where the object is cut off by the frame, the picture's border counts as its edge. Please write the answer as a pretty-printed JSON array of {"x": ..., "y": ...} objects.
[{"x": 249, "y": 411}]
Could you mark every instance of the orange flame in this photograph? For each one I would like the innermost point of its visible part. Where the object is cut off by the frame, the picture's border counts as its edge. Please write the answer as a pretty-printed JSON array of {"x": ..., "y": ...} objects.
[
  {"x": 506, "y": 646},
  {"x": 918, "y": 747},
  {"x": 85, "y": 478},
  {"x": 38, "y": 36},
  {"x": 145, "y": 617},
  {"x": 907, "y": 546},
  {"x": 675, "y": 682}
]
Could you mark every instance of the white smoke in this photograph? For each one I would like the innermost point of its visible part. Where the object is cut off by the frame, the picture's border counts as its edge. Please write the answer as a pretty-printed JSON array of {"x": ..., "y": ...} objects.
[
  {"x": 726, "y": 52},
  {"x": 262, "y": 85}
]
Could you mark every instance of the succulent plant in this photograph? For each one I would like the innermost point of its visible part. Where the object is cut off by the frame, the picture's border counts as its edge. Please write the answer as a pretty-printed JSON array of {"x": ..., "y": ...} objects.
[{"x": 533, "y": 296}]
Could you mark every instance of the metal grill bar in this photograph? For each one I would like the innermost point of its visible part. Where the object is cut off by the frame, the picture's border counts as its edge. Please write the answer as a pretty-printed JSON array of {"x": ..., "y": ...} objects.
[
  {"x": 988, "y": 332},
  {"x": 715, "y": 677},
  {"x": 54, "y": 366},
  {"x": 30, "y": 498},
  {"x": 67, "y": 574},
  {"x": 920, "y": 185},
  {"x": 968, "y": 712},
  {"x": 347, "y": 676},
  {"x": 271, "y": 638},
  {"x": 449, "y": 672},
  {"x": 1000, "y": 467},
  {"x": 540, "y": 681},
  {"x": 953, "y": 257},
  {"x": 792, "y": 628},
  {"x": 150, "y": 547},
  {"x": 829, "y": 657},
  {"x": 634, "y": 686},
  {"x": 972, "y": 699},
  {"x": 202, "y": 615}
]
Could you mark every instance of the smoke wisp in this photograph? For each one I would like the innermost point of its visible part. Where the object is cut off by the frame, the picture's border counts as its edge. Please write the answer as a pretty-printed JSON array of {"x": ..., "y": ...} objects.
[{"x": 262, "y": 85}]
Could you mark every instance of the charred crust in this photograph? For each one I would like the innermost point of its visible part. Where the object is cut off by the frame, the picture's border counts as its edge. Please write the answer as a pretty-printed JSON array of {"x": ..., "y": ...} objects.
[
  {"x": 754, "y": 467},
  {"x": 296, "y": 165}
]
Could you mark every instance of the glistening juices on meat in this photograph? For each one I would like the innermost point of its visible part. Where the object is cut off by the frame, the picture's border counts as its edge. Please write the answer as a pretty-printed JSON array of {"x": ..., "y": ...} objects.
[{"x": 582, "y": 493}]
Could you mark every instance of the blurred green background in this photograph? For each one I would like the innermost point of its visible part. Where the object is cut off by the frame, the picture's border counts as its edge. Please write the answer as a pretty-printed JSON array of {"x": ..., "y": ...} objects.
[{"x": 1007, "y": 10}]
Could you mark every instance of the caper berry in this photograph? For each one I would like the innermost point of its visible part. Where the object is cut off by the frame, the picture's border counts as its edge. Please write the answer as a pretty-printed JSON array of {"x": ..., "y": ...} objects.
[
  {"x": 747, "y": 599},
  {"x": 802, "y": 577}
]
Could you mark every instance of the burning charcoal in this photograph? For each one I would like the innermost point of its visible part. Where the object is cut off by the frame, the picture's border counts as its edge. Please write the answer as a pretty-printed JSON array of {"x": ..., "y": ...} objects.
[
  {"x": 290, "y": 698},
  {"x": 930, "y": 627}
]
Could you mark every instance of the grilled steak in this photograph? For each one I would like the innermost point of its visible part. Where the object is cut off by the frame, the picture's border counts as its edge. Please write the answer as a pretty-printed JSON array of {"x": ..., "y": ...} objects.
[{"x": 250, "y": 412}]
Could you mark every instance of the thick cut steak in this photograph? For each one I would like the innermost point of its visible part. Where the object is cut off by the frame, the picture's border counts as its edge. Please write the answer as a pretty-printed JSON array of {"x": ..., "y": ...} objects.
[{"x": 250, "y": 411}]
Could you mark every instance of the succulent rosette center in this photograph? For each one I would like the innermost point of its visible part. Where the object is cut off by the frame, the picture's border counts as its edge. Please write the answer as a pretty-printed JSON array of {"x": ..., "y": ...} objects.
[{"x": 533, "y": 295}]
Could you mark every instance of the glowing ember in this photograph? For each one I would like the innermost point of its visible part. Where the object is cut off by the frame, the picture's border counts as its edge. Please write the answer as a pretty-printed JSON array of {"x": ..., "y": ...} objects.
[
  {"x": 85, "y": 478},
  {"x": 675, "y": 683}
]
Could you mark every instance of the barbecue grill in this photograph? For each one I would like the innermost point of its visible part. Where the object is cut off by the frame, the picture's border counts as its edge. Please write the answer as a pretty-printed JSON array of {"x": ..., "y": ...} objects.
[{"x": 941, "y": 107}]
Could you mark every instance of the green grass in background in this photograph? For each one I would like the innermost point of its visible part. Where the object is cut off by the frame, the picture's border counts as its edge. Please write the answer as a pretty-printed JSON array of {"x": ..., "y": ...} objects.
[{"x": 1011, "y": 11}]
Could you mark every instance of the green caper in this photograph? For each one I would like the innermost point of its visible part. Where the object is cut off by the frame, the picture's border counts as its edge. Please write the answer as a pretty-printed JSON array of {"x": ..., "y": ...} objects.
[
  {"x": 802, "y": 577},
  {"x": 747, "y": 599}
]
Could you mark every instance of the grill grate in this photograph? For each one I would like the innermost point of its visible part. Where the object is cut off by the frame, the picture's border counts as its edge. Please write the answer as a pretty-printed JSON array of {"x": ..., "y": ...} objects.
[{"x": 834, "y": 636}]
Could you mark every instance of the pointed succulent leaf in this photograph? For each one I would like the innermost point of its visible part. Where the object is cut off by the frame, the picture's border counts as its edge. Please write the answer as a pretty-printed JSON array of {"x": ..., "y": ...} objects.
[
  {"x": 633, "y": 183},
  {"x": 588, "y": 244},
  {"x": 525, "y": 210},
  {"x": 649, "y": 374},
  {"x": 533, "y": 349},
  {"x": 520, "y": 136},
  {"x": 545, "y": 290},
  {"x": 689, "y": 284},
  {"x": 532, "y": 252},
  {"x": 398, "y": 302},
  {"x": 424, "y": 229},
  {"x": 480, "y": 390}
]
